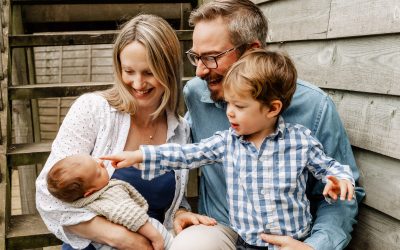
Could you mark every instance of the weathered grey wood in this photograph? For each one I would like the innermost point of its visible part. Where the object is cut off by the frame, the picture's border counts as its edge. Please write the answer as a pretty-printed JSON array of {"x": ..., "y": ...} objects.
[
  {"x": 372, "y": 121},
  {"x": 380, "y": 176},
  {"x": 55, "y": 90},
  {"x": 321, "y": 19},
  {"x": 367, "y": 64},
  {"x": 28, "y": 153},
  {"x": 75, "y": 38},
  {"x": 5, "y": 183},
  {"x": 58, "y": 90},
  {"x": 41, "y": 2},
  {"x": 27, "y": 231},
  {"x": 99, "y": 12},
  {"x": 21, "y": 116},
  {"x": 375, "y": 231},
  {"x": 297, "y": 20},
  {"x": 261, "y": 1},
  {"x": 364, "y": 17}
]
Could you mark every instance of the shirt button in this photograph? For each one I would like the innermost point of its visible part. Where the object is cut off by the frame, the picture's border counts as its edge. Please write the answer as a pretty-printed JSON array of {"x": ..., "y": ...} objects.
[{"x": 262, "y": 191}]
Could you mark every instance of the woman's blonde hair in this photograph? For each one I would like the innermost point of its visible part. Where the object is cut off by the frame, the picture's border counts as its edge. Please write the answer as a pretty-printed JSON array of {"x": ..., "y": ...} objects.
[{"x": 164, "y": 58}]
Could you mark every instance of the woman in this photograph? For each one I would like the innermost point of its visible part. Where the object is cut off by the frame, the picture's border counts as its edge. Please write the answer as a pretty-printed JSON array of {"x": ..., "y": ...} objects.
[{"x": 141, "y": 108}]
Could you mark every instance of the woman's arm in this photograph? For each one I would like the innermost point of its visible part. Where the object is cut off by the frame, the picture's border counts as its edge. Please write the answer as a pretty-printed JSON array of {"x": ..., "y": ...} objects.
[{"x": 105, "y": 232}]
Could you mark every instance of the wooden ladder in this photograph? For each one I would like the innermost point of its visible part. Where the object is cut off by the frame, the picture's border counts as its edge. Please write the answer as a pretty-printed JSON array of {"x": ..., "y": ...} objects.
[{"x": 28, "y": 230}]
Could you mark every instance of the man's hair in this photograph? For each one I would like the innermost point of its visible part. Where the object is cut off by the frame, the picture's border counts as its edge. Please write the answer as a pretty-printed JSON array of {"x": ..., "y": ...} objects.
[
  {"x": 266, "y": 75},
  {"x": 164, "y": 58},
  {"x": 246, "y": 22},
  {"x": 63, "y": 183}
]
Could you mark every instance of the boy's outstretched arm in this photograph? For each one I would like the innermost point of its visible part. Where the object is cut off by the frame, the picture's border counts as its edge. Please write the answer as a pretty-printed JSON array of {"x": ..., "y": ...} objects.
[
  {"x": 125, "y": 159},
  {"x": 335, "y": 186}
]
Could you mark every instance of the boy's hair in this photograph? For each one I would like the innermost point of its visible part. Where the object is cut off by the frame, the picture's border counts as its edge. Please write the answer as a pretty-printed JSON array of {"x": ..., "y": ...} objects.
[
  {"x": 63, "y": 183},
  {"x": 246, "y": 22},
  {"x": 266, "y": 75}
]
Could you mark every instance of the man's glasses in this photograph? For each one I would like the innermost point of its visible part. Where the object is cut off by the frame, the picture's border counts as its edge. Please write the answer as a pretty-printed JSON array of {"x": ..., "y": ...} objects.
[{"x": 211, "y": 62}]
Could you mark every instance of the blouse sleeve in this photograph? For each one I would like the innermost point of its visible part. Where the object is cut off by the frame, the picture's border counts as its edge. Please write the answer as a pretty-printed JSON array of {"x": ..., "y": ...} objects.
[{"x": 77, "y": 134}]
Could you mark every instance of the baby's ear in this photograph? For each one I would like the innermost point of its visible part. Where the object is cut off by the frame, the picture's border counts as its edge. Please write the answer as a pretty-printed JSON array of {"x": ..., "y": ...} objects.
[{"x": 89, "y": 192}]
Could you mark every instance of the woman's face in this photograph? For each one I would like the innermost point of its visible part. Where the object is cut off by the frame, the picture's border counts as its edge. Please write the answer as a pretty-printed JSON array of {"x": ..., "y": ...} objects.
[{"x": 137, "y": 75}]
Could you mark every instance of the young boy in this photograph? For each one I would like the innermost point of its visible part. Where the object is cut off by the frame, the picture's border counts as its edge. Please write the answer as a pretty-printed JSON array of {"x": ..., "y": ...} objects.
[
  {"x": 84, "y": 182},
  {"x": 266, "y": 161}
]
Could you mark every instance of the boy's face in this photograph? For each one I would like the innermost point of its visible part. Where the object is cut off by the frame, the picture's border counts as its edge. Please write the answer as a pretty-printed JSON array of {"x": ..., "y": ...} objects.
[
  {"x": 94, "y": 173},
  {"x": 247, "y": 116}
]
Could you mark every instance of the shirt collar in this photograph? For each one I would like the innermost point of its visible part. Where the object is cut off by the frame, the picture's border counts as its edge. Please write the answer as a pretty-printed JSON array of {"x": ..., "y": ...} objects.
[{"x": 278, "y": 134}]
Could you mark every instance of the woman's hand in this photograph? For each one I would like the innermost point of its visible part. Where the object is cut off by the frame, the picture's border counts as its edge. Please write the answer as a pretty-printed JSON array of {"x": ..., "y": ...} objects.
[
  {"x": 125, "y": 159},
  {"x": 335, "y": 187},
  {"x": 285, "y": 242},
  {"x": 184, "y": 219},
  {"x": 105, "y": 232}
]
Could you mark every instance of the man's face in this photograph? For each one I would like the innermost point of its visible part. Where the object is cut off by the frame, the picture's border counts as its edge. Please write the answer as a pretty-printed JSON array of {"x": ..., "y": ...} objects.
[{"x": 211, "y": 38}]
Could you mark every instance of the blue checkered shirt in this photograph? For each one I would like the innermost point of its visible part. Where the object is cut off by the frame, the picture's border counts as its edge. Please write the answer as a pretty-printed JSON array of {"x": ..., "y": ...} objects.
[{"x": 266, "y": 186}]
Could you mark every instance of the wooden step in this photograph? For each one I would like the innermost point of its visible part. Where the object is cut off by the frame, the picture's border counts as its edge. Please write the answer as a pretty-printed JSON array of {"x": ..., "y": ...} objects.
[
  {"x": 34, "y": 91},
  {"x": 75, "y": 38},
  {"x": 27, "y": 153},
  {"x": 53, "y": 2},
  {"x": 29, "y": 231}
]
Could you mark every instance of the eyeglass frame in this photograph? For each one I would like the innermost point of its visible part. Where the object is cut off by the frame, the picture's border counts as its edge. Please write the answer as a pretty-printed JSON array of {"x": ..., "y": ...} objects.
[{"x": 197, "y": 57}]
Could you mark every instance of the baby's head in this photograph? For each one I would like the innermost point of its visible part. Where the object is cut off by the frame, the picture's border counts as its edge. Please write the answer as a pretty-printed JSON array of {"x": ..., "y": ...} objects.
[
  {"x": 266, "y": 76},
  {"x": 76, "y": 176}
]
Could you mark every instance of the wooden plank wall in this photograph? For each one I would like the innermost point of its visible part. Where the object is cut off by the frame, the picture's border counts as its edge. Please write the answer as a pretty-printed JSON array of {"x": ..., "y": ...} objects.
[
  {"x": 351, "y": 49},
  {"x": 68, "y": 64}
]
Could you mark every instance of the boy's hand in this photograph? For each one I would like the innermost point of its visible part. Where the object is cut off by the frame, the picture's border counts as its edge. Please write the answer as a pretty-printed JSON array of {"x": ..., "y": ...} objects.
[
  {"x": 125, "y": 159},
  {"x": 335, "y": 186}
]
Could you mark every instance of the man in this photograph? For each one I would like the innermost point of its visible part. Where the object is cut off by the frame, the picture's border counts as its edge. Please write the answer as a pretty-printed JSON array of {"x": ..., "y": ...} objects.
[{"x": 223, "y": 31}]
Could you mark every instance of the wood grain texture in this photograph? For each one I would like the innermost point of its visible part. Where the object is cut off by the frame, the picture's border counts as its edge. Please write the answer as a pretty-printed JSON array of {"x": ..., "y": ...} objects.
[
  {"x": 368, "y": 64},
  {"x": 291, "y": 20},
  {"x": 372, "y": 121},
  {"x": 363, "y": 17},
  {"x": 297, "y": 20},
  {"x": 380, "y": 175},
  {"x": 375, "y": 231}
]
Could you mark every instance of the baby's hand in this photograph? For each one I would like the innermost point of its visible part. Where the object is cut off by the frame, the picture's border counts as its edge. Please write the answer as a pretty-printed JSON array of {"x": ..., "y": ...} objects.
[
  {"x": 158, "y": 244},
  {"x": 125, "y": 159},
  {"x": 335, "y": 186}
]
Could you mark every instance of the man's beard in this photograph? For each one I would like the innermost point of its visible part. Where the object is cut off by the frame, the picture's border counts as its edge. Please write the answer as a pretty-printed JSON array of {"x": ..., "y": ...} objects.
[{"x": 215, "y": 95}]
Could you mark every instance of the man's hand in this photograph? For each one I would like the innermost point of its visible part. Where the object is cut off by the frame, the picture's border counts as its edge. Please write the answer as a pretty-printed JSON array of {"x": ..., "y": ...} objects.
[
  {"x": 184, "y": 219},
  {"x": 285, "y": 242},
  {"x": 99, "y": 229}
]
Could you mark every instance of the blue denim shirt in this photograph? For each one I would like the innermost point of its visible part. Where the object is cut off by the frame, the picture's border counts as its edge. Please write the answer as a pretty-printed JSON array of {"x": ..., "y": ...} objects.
[{"x": 310, "y": 107}]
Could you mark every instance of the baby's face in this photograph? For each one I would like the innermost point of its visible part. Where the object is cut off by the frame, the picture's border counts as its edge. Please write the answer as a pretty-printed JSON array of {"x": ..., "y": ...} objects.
[{"x": 94, "y": 173}]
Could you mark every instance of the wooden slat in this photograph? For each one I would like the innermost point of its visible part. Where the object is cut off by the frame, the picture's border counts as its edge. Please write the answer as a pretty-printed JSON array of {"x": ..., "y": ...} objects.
[
  {"x": 375, "y": 231},
  {"x": 297, "y": 20},
  {"x": 75, "y": 38},
  {"x": 58, "y": 90},
  {"x": 54, "y": 90},
  {"x": 30, "y": 153},
  {"x": 372, "y": 121},
  {"x": 114, "y": 13},
  {"x": 367, "y": 64},
  {"x": 29, "y": 231},
  {"x": 364, "y": 17},
  {"x": 380, "y": 175},
  {"x": 55, "y": 2},
  {"x": 321, "y": 19}
]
